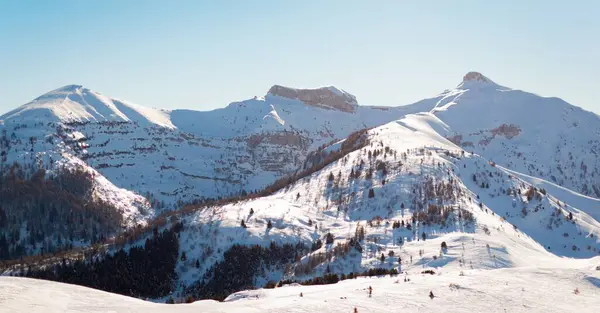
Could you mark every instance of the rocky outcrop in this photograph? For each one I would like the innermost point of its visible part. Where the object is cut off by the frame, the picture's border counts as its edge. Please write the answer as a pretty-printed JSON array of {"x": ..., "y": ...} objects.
[
  {"x": 458, "y": 140},
  {"x": 279, "y": 152},
  {"x": 476, "y": 76},
  {"x": 326, "y": 97},
  {"x": 508, "y": 131},
  {"x": 476, "y": 80},
  {"x": 279, "y": 139}
]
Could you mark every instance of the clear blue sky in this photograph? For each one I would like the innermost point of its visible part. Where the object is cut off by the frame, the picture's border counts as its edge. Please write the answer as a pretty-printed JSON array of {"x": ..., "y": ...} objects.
[{"x": 205, "y": 54}]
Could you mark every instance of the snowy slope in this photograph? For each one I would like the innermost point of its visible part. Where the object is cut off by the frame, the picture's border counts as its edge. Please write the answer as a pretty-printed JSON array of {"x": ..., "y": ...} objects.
[
  {"x": 180, "y": 155},
  {"x": 506, "y": 290},
  {"x": 502, "y": 260},
  {"x": 543, "y": 137},
  {"x": 508, "y": 229},
  {"x": 177, "y": 156},
  {"x": 74, "y": 103},
  {"x": 512, "y": 189}
]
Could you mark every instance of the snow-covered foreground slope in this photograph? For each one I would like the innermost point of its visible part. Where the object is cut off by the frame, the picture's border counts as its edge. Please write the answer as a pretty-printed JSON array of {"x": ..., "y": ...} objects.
[{"x": 505, "y": 290}]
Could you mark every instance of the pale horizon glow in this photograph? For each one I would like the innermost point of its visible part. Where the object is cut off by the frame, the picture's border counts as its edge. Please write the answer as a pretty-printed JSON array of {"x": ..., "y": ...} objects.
[{"x": 204, "y": 55}]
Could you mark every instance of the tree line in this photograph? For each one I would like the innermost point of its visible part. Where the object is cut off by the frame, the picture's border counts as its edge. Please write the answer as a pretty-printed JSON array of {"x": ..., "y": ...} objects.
[
  {"x": 146, "y": 271},
  {"x": 55, "y": 211}
]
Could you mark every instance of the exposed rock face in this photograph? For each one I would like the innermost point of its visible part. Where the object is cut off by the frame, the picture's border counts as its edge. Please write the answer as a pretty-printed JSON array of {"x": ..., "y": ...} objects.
[
  {"x": 476, "y": 76},
  {"x": 279, "y": 139},
  {"x": 458, "y": 140},
  {"x": 280, "y": 152},
  {"x": 476, "y": 80},
  {"x": 508, "y": 131},
  {"x": 326, "y": 97}
]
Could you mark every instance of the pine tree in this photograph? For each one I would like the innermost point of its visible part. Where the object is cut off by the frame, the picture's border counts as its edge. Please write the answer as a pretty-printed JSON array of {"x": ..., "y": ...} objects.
[
  {"x": 329, "y": 239},
  {"x": 371, "y": 193},
  {"x": 317, "y": 245},
  {"x": 382, "y": 258},
  {"x": 269, "y": 224},
  {"x": 360, "y": 233}
]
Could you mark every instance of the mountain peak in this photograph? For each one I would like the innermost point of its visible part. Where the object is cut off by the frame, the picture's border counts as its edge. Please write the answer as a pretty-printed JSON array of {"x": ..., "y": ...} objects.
[
  {"x": 476, "y": 76},
  {"x": 325, "y": 97},
  {"x": 76, "y": 103},
  {"x": 72, "y": 87},
  {"x": 476, "y": 79},
  {"x": 61, "y": 92}
]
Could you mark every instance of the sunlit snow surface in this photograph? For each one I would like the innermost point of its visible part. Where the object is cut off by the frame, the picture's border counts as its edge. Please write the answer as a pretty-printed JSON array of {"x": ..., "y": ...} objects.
[{"x": 506, "y": 290}]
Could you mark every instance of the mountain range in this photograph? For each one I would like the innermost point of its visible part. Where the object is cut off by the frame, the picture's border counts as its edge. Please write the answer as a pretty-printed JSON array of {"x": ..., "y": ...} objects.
[{"x": 300, "y": 185}]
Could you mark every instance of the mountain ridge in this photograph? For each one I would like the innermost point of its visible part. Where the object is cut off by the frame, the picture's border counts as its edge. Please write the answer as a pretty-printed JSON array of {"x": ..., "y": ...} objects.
[
  {"x": 287, "y": 121},
  {"x": 475, "y": 179}
]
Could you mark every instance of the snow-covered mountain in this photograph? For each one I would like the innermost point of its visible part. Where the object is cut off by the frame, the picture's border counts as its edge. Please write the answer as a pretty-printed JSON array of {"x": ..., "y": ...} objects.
[
  {"x": 479, "y": 178},
  {"x": 408, "y": 199},
  {"x": 489, "y": 216},
  {"x": 543, "y": 137},
  {"x": 144, "y": 161},
  {"x": 74, "y": 103},
  {"x": 182, "y": 155}
]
